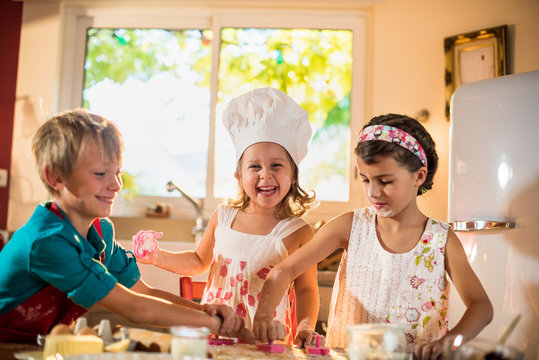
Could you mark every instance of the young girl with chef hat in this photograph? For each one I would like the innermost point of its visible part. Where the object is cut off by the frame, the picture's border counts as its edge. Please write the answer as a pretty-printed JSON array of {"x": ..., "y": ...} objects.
[
  {"x": 394, "y": 266},
  {"x": 247, "y": 236}
]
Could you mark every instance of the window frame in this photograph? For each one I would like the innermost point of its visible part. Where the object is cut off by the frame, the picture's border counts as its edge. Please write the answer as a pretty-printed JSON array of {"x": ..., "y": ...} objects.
[{"x": 78, "y": 18}]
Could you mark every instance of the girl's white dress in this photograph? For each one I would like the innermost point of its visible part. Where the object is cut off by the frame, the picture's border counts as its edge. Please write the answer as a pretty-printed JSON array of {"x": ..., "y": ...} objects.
[
  {"x": 375, "y": 286},
  {"x": 241, "y": 263}
]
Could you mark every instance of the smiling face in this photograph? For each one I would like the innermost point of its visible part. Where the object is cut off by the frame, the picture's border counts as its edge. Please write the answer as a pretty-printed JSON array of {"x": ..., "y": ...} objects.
[
  {"x": 265, "y": 174},
  {"x": 390, "y": 187},
  {"x": 89, "y": 191}
]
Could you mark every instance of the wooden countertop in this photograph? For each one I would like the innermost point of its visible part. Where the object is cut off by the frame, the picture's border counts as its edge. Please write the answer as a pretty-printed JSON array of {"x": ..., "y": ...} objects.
[{"x": 8, "y": 350}]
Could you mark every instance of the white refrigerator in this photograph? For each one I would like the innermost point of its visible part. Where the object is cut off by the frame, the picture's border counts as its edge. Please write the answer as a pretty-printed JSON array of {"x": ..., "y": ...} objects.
[{"x": 494, "y": 199}]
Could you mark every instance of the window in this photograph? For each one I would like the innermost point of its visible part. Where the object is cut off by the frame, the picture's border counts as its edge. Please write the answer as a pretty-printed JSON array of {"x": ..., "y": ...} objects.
[
  {"x": 154, "y": 84},
  {"x": 166, "y": 80}
]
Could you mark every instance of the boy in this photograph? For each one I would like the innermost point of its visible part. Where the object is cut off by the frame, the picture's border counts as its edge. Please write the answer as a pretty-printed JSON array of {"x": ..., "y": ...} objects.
[{"x": 64, "y": 259}]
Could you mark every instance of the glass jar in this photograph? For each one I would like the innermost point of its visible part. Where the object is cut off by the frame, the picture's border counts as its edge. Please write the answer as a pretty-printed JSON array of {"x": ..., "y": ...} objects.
[
  {"x": 376, "y": 342},
  {"x": 189, "y": 341},
  {"x": 480, "y": 349}
]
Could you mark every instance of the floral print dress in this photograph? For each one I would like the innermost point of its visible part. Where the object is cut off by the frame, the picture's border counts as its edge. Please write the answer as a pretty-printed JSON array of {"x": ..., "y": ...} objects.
[
  {"x": 374, "y": 286},
  {"x": 241, "y": 263}
]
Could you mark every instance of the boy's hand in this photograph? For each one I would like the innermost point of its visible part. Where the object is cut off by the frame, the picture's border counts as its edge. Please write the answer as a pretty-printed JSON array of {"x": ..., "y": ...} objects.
[
  {"x": 267, "y": 330},
  {"x": 232, "y": 324}
]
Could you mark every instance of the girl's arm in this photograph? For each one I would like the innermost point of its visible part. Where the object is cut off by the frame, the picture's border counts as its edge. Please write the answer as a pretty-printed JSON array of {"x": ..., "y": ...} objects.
[
  {"x": 479, "y": 310},
  {"x": 307, "y": 299},
  {"x": 331, "y": 236},
  {"x": 189, "y": 263}
]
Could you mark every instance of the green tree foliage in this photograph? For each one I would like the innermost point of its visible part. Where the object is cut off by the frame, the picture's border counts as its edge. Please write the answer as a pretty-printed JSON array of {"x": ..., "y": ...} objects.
[
  {"x": 312, "y": 66},
  {"x": 117, "y": 54},
  {"x": 130, "y": 187}
]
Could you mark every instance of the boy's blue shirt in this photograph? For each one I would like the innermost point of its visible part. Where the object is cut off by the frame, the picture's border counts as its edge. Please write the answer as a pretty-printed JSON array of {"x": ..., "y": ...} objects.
[{"x": 48, "y": 250}]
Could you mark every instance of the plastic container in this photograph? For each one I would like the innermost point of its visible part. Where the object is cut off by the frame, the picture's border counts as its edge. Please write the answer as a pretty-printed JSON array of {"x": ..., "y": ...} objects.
[
  {"x": 376, "y": 342},
  {"x": 483, "y": 349},
  {"x": 189, "y": 341}
]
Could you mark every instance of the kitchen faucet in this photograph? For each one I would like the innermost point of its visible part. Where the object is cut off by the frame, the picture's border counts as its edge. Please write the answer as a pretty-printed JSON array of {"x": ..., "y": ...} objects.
[{"x": 199, "y": 228}]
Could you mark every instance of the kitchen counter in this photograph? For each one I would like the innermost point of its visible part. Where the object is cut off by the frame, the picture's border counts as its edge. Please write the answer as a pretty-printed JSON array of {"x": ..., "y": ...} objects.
[
  {"x": 8, "y": 350},
  {"x": 221, "y": 352},
  {"x": 156, "y": 344}
]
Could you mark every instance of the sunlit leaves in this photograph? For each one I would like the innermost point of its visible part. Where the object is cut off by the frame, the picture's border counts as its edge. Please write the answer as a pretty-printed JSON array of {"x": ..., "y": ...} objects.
[
  {"x": 117, "y": 54},
  {"x": 313, "y": 66}
]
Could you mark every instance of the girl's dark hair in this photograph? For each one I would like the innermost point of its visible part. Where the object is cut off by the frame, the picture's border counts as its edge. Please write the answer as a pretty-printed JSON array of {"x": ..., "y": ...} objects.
[{"x": 369, "y": 150}]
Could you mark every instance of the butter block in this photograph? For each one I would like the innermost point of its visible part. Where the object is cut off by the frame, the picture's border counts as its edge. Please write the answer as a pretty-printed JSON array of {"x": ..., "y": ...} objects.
[{"x": 67, "y": 344}]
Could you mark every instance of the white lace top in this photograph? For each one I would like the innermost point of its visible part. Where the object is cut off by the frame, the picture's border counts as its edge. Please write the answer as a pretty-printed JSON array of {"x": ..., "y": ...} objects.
[
  {"x": 241, "y": 263},
  {"x": 373, "y": 285}
]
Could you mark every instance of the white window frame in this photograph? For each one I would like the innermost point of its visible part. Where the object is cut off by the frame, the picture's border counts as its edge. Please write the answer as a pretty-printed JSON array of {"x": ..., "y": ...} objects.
[{"x": 78, "y": 18}]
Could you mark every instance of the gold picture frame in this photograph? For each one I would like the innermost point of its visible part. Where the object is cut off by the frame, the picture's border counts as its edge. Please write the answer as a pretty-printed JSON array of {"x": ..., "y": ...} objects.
[{"x": 473, "y": 56}]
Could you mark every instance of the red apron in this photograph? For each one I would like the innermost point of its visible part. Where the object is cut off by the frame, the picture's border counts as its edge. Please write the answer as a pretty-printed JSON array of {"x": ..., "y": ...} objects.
[{"x": 42, "y": 311}]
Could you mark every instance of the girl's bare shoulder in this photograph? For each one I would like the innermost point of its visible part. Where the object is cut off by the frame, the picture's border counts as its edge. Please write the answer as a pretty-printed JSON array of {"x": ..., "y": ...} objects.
[
  {"x": 338, "y": 228},
  {"x": 342, "y": 219}
]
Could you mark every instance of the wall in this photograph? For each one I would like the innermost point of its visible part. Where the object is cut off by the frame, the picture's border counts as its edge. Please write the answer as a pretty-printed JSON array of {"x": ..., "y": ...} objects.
[
  {"x": 406, "y": 75},
  {"x": 36, "y": 97},
  {"x": 408, "y": 62},
  {"x": 10, "y": 24}
]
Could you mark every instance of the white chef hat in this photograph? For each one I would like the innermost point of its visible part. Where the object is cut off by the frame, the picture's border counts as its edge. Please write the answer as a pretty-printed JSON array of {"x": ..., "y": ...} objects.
[{"x": 268, "y": 115}]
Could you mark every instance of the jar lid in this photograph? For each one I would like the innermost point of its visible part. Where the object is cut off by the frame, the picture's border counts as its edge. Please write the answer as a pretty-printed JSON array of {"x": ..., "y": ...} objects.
[
  {"x": 375, "y": 327},
  {"x": 190, "y": 331}
]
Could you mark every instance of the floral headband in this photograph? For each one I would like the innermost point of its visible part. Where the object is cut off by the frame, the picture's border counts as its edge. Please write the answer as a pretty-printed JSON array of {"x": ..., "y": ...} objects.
[{"x": 393, "y": 135}]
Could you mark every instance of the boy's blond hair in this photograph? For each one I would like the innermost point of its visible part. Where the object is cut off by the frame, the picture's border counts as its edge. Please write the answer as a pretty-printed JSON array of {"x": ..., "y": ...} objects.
[{"x": 61, "y": 140}]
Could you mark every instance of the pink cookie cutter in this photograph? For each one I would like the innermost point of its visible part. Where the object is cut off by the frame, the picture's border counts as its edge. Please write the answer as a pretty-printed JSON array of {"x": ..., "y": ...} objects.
[
  {"x": 144, "y": 242},
  {"x": 317, "y": 350},
  {"x": 216, "y": 340},
  {"x": 271, "y": 347}
]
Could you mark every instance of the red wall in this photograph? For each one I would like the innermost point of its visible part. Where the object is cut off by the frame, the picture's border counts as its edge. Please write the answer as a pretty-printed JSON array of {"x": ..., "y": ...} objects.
[{"x": 10, "y": 31}]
